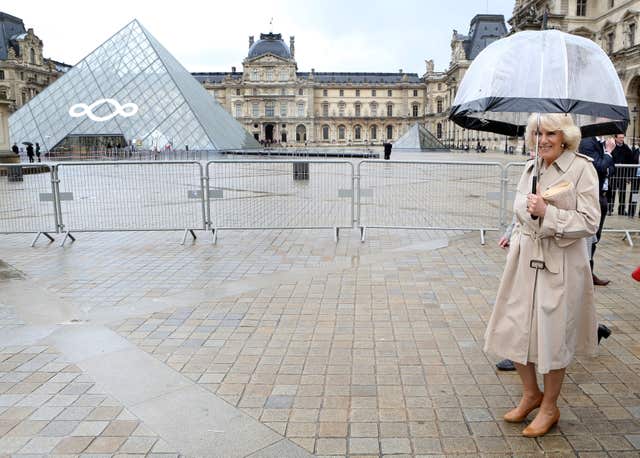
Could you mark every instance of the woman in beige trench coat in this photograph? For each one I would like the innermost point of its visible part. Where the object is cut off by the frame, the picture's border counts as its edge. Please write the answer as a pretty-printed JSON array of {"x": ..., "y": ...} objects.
[{"x": 544, "y": 311}]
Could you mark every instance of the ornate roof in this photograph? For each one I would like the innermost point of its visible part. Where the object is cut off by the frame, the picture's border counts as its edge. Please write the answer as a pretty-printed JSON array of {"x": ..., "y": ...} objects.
[
  {"x": 269, "y": 43},
  {"x": 10, "y": 26}
]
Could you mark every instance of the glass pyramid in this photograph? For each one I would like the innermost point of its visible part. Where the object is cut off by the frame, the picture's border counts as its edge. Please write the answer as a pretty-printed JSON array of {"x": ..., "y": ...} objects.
[
  {"x": 418, "y": 138},
  {"x": 131, "y": 86}
]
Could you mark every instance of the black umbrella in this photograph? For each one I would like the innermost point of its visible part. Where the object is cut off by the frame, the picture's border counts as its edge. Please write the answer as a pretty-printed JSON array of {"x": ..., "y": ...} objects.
[{"x": 27, "y": 143}]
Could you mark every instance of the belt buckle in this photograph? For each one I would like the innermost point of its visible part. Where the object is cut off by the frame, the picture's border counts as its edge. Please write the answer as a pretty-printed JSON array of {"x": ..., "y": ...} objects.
[{"x": 536, "y": 264}]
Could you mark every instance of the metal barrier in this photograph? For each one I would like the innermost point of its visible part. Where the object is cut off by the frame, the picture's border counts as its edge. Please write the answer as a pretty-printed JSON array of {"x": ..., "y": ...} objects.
[
  {"x": 28, "y": 202},
  {"x": 284, "y": 194},
  {"x": 130, "y": 196},
  {"x": 512, "y": 173},
  {"x": 430, "y": 195},
  {"x": 622, "y": 196},
  {"x": 280, "y": 194}
]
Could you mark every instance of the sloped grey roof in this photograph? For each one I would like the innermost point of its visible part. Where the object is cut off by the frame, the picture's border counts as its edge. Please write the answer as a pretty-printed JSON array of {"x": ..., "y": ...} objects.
[
  {"x": 269, "y": 43},
  {"x": 330, "y": 77},
  {"x": 215, "y": 77},
  {"x": 418, "y": 138},
  {"x": 10, "y": 26},
  {"x": 484, "y": 30},
  {"x": 348, "y": 77}
]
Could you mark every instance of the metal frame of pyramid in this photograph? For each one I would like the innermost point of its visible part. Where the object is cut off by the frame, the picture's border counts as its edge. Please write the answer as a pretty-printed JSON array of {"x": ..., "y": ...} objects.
[
  {"x": 132, "y": 86},
  {"x": 418, "y": 138}
]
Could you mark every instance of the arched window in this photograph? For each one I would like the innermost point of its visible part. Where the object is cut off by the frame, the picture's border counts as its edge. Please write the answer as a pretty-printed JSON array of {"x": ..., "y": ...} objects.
[
  {"x": 325, "y": 132},
  {"x": 341, "y": 131},
  {"x": 301, "y": 133},
  {"x": 32, "y": 56},
  {"x": 389, "y": 132},
  {"x": 357, "y": 133},
  {"x": 374, "y": 132},
  {"x": 439, "y": 130},
  {"x": 1, "y": 74}
]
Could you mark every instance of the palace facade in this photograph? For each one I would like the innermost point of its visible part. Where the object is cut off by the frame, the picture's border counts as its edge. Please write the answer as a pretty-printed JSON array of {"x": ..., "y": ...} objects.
[
  {"x": 24, "y": 72},
  {"x": 277, "y": 103}
]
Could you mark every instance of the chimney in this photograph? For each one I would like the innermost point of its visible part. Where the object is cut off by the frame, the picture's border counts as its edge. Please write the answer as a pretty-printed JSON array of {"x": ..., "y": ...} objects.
[
  {"x": 250, "y": 40},
  {"x": 400, "y": 71},
  {"x": 292, "y": 46},
  {"x": 233, "y": 69}
]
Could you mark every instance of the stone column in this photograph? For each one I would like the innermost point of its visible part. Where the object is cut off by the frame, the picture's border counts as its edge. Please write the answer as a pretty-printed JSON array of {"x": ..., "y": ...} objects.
[{"x": 6, "y": 155}]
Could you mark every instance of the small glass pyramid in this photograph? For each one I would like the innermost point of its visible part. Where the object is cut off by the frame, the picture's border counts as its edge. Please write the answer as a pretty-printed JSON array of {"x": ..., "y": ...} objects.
[
  {"x": 130, "y": 86},
  {"x": 418, "y": 138}
]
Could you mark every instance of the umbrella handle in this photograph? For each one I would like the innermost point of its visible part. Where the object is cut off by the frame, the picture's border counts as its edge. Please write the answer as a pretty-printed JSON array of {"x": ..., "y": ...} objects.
[{"x": 534, "y": 186}]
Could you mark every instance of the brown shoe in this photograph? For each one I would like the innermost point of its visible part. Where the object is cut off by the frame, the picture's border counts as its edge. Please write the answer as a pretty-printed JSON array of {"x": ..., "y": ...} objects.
[
  {"x": 599, "y": 281},
  {"x": 517, "y": 416},
  {"x": 529, "y": 431}
]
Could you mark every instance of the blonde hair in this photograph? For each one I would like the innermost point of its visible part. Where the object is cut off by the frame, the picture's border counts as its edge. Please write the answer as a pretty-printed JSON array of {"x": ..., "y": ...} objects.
[{"x": 554, "y": 122}]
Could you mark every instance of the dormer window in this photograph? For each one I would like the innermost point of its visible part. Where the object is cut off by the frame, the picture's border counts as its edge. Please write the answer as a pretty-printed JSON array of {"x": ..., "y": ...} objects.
[{"x": 32, "y": 56}]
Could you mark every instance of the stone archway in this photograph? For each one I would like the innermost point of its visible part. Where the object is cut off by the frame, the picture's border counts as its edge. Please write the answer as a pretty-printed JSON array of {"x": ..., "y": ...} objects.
[
  {"x": 633, "y": 100},
  {"x": 301, "y": 133},
  {"x": 268, "y": 132}
]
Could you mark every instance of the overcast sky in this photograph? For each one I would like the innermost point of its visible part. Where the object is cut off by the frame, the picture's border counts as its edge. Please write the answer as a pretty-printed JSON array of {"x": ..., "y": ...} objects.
[{"x": 331, "y": 35}]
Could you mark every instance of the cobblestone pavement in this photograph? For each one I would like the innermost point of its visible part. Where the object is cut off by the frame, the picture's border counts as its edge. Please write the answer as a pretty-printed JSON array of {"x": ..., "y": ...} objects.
[{"x": 347, "y": 349}]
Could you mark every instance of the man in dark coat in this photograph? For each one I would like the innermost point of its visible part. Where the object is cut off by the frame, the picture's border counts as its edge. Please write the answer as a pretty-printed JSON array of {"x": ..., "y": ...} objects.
[
  {"x": 600, "y": 151},
  {"x": 30, "y": 152},
  {"x": 622, "y": 155},
  {"x": 15, "y": 149},
  {"x": 38, "y": 151},
  {"x": 387, "y": 150}
]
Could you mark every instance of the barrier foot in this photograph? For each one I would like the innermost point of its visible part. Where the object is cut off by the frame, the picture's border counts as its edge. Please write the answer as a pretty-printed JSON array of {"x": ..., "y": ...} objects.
[
  {"x": 627, "y": 235},
  {"x": 214, "y": 236},
  {"x": 67, "y": 235},
  {"x": 482, "y": 232},
  {"x": 363, "y": 233},
  {"x": 186, "y": 232},
  {"x": 46, "y": 234},
  {"x": 336, "y": 234}
]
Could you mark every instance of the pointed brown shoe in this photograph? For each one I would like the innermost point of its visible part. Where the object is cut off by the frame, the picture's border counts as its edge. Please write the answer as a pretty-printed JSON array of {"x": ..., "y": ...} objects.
[
  {"x": 537, "y": 432},
  {"x": 512, "y": 417},
  {"x": 599, "y": 281}
]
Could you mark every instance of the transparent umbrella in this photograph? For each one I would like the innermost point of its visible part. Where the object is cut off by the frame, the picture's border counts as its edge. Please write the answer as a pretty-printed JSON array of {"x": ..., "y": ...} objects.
[{"x": 545, "y": 71}]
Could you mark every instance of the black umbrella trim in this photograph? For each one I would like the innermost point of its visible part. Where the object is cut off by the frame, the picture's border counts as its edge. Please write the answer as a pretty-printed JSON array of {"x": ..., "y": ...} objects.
[{"x": 463, "y": 114}]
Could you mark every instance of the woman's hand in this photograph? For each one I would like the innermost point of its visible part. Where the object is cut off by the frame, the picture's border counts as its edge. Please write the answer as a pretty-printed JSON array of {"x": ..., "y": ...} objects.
[
  {"x": 503, "y": 242},
  {"x": 536, "y": 205}
]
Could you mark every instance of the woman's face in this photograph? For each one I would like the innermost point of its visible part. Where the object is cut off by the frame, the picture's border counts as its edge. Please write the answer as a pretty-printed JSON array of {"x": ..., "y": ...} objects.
[{"x": 550, "y": 144}]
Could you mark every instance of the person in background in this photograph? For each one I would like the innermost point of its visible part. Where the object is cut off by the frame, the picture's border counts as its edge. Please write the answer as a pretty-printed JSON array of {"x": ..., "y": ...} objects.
[
  {"x": 635, "y": 184},
  {"x": 15, "y": 149},
  {"x": 30, "y": 152},
  {"x": 622, "y": 155},
  {"x": 599, "y": 149},
  {"x": 38, "y": 151}
]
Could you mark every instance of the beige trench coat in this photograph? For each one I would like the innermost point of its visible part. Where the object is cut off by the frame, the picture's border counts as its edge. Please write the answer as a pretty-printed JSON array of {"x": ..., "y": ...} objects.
[{"x": 547, "y": 315}]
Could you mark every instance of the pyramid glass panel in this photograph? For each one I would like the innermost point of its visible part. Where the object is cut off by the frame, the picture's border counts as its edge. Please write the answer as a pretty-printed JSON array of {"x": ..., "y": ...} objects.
[
  {"x": 130, "y": 86},
  {"x": 418, "y": 138}
]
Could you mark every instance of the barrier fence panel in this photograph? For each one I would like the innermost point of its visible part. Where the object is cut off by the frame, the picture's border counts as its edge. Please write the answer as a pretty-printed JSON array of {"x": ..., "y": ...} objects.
[
  {"x": 131, "y": 196},
  {"x": 622, "y": 196},
  {"x": 280, "y": 194},
  {"x": 26, "y": 199},
  {"x": 430, "y": 195},
  {"x": 513, "y": 172}
]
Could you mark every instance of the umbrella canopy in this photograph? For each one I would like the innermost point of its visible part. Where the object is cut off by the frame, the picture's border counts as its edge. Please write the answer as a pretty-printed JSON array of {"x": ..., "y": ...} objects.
[
  {"x": 544, "y": 71},
  {"x": 27, "y": 143}
]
